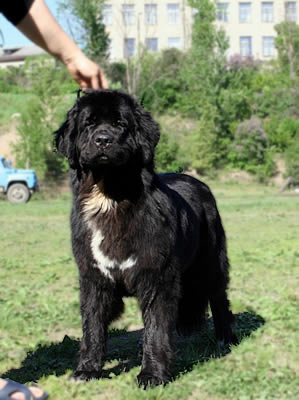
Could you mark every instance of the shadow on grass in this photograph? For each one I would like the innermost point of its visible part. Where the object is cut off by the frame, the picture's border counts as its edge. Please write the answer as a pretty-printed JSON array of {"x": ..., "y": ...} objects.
[{"x": 125, "y": 350}]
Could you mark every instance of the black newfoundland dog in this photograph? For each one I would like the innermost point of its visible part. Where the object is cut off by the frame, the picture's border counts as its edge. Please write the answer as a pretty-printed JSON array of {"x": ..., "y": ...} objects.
[{"x": 136, "y": 233}]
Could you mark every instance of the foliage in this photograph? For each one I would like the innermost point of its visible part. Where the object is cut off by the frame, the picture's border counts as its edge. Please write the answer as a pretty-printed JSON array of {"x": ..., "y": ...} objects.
[
  {"x": 166, "y": 156},
  {"x": 203, "y": 72},
  {"x": 116, "y": 72},
  {"x": 86, "y": 26},
  {"x": 266, "y": 169},
  {"x": 39, "y": 119},
  {"x": 281, "y": 132},
  {"x": 292, "y": 159},
  {"x": 13, "y": 80},
  {"x": 202, "y": 143},
  {"x": 287, "y": 45},
  {"x": 249, "y": 145},
  {"x": 160, "y": 84}
]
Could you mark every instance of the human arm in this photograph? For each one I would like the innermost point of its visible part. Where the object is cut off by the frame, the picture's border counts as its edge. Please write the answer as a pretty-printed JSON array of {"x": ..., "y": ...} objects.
[{"x": 40, "y": 26}]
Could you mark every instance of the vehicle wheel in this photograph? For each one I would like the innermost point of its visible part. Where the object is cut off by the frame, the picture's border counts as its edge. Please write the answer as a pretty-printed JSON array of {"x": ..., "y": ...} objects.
[{"x": 18, "y": 193}]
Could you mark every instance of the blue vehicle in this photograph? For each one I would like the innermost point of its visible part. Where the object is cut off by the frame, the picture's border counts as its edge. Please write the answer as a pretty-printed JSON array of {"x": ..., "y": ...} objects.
[{"x": 17, "y": 184}]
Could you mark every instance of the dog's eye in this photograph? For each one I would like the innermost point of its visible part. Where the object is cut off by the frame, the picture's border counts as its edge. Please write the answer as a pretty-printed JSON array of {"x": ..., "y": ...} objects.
[{"x": 122, "y": 124}]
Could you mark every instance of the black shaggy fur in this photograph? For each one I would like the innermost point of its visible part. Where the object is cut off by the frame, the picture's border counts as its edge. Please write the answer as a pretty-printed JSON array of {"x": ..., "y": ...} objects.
[{"x": 136, "y": 233}]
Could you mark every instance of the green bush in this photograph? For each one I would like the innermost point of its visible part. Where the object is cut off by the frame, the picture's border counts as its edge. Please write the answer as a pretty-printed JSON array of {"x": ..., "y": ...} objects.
[
  {"x": 292, "y": 160},
  {"x": 202, "y": 142},
  {"x": 249, "y": 145},
  {"x": 116, "y": 72},
  {"x": 281, "y": 132},
  {"x": 41, "y": 116},
  {"x": 166, "y": 156},
  {"x": 264, "y": 171},
  {"x": 13, "y": 80},
  {"x": 160, "y": 86}
]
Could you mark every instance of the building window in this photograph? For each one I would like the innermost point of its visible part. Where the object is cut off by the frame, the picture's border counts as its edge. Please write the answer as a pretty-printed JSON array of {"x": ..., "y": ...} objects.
[
  {"x": 290, "y": 11},
  {"x": 267, "y": 12},
  {"x": 173, "y": 13},
  {"x": 129, "y": 47},
  {"x": 107, "y": 14},
  {"x": 151, "y": 44},
  {"x": 245, "y": 46},
  {"x": 222, "y": 12},
  {"x": 245, "y": 12},
  {"x": 150, "y": 14},
  {"x": 268, "y": 46},
  {"x": 174, "y": 42},
  {"x": 128, "y": 14}
]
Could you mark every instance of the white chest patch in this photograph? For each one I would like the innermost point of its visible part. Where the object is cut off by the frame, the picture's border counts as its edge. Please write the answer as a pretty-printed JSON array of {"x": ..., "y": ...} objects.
[
  {"x": 104, "y": 263},
  {"x": 97, "y": 202}
]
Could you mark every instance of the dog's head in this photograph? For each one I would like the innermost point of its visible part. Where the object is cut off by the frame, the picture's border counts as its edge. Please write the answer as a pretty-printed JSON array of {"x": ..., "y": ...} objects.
[{"x": 107, "y": 127}]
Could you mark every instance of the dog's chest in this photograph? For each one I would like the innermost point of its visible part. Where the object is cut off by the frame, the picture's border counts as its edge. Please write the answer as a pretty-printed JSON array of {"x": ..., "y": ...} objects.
[
  {"x": 109, "y": 241},
  {"x": 112, "y": 259}
]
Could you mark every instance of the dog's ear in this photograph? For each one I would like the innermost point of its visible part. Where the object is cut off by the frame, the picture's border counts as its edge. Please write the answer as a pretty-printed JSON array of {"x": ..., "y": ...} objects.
[
  {"x": 148, "y": 133},
  {"x": 65, "y": 137}
]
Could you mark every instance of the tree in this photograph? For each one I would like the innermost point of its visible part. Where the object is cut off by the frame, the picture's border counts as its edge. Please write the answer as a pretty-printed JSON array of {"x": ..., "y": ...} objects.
[
  {"x": 42, "y": 115},
  {"x": 203, "y": 76},
  {"x": 85, "y": 21},
  {"x": 287, "y": 45},
  {"x": 160, "y": 84},
  {"x": 203, "y": 142},
  {"x": 204, "y": 69}
]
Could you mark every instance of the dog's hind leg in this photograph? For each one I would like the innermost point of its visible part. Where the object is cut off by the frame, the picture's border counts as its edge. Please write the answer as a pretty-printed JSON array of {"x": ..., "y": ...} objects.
[
  {"x": 222, "y": 317},
  {"x": 219, "y": 303},
  {"x": 217, "y": 277},
  {"x": 99, "y": 306}
]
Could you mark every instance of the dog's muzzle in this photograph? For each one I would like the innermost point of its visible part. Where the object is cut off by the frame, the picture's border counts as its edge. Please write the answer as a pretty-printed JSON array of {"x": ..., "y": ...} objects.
[{"x": 102, "y": 139}]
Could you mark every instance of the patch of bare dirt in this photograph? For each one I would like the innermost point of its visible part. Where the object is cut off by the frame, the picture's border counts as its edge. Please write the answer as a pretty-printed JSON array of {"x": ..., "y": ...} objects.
[
  {"x": 236, "y": 176},
  {"x": 6, "y": 142}
]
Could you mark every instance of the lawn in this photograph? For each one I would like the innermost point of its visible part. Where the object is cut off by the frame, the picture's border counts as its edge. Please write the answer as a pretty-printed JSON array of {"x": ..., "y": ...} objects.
[{"x": 40, "y": 321}]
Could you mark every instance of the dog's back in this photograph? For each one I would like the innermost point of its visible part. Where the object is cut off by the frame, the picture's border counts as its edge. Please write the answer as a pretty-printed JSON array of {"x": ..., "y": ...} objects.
[{"x": 208, "y": 274}]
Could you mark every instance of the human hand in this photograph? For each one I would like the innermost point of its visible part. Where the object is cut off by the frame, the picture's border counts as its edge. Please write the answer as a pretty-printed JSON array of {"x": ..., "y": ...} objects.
[
  {"x": 46, "y": 33},
  {"x": 87, "y": 73}
]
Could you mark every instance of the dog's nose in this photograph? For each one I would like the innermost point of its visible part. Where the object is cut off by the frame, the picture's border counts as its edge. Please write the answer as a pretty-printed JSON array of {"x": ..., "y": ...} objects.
[{"x": 102, "y": 139}]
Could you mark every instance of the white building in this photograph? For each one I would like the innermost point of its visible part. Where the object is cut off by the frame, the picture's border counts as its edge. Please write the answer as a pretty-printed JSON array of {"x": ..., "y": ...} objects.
[
  {"x": 250, "y": 24},
  {"x": 15, "y": 56},
  {"x": 156, "y": 24},
  {"x": 161, "y": 24}
]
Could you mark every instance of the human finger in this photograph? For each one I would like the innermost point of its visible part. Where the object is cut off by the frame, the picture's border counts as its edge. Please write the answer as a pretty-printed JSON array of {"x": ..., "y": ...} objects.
[
  {"x": 103, "y": 80},
  {"x": 95, "y": 81}
]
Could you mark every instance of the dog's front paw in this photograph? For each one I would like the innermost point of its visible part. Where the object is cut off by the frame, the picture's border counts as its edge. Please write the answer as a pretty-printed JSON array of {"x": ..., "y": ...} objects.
[
  {"x": 146, "y": 379},
  {"x": 85, "y": 375},
  {"x": 230, "y": 339}
]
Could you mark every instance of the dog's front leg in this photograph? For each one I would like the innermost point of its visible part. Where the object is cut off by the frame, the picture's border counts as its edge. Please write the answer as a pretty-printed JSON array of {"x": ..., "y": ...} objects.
[
  {"x": 95, "y": 303},
  {"x": 159, "y": 317}
]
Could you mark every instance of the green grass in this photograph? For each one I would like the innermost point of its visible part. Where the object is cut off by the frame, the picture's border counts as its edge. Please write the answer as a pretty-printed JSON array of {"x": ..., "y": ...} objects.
[{"x": 40, "y": 322}]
